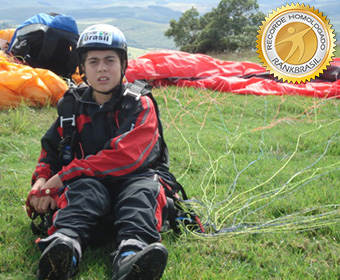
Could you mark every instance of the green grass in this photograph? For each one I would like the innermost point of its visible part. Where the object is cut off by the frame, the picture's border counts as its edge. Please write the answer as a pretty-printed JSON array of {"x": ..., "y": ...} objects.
[{"x": 240, "y": 147}]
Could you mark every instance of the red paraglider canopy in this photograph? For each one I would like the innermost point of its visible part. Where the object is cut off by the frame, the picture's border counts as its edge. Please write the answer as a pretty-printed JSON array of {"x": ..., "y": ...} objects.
[{"x": 197, "y": 70}]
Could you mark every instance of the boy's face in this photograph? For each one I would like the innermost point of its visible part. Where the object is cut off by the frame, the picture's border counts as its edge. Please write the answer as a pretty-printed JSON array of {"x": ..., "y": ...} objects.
[{"x": 103, "y": 69}]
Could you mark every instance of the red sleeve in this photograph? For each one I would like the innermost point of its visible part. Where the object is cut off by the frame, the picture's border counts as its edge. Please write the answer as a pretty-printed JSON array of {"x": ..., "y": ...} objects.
[
  {"x": 128, "y": 151},
  {"x": 42, "y": 170}
]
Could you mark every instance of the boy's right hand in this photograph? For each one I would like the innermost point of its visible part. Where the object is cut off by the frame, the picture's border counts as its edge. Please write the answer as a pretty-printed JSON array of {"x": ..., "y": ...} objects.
[{"x": 42, "y": 204}]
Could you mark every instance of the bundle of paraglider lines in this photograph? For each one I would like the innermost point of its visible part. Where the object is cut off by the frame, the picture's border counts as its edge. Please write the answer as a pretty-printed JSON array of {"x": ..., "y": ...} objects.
[{"x": 238, "y": 212}]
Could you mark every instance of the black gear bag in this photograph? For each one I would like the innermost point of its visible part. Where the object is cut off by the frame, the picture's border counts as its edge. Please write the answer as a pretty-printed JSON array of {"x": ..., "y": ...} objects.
[{"x": 47, "y": 41}]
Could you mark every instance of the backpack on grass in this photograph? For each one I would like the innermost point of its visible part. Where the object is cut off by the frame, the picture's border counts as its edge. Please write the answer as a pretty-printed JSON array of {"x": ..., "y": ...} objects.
[{"x": 47, "y": 41}]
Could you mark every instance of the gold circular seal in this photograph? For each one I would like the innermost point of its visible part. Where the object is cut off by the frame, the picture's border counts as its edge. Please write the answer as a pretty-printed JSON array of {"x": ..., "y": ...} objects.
[{"x": 295, "y": 43}]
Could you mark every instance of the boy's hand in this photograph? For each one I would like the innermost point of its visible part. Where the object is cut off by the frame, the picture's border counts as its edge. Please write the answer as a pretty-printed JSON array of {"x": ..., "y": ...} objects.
[{"x": 45, "y": 203}]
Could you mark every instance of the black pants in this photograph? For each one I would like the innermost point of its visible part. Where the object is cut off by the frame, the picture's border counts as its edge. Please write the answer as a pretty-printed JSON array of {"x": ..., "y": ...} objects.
[{"x": 136, "y": 207}]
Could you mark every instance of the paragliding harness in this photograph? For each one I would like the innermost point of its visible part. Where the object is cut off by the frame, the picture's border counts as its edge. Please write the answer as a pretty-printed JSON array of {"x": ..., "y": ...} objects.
[
  {"x": 179, "y": 216},
  {"x": 47, "y": 41}
]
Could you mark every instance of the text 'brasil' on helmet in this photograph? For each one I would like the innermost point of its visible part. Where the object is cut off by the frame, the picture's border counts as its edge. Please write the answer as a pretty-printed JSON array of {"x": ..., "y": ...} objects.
[{"x": 102, "y": 37}]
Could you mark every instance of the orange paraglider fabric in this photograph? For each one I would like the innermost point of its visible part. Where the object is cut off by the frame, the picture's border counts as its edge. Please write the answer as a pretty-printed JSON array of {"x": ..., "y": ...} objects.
[
  {"x": 183, "y": 69},
  {"x": 33, "y": 86}
]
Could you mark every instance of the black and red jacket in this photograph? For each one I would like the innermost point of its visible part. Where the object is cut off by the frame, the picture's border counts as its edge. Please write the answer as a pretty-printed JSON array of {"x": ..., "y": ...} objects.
[{"x": 119, "y": 138}]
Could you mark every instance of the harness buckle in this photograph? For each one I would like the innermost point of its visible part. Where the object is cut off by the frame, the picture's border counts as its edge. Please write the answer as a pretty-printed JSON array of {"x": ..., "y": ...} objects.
[
  {"x": 132, "y": 94},
  {"x": 71, "y": 119}
]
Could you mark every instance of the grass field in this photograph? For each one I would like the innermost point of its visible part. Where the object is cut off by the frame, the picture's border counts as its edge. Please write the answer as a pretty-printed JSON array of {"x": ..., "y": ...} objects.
[{"x": 266, "y": 167}]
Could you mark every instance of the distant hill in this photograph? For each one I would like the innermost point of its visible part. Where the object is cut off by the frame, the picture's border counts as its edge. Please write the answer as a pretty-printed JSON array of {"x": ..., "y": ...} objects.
[
  {"x": 178, "y": 5},
  {"x": 143, "y": 21},
  {"x": 143, "y": 27}
]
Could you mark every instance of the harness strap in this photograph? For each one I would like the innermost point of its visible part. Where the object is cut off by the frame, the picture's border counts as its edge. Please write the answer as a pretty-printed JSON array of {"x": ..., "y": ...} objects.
[
  {"x": 140, "y": 88},
  {"x": 67, "y": 118},
  {"x": 164, "y": 150}
]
